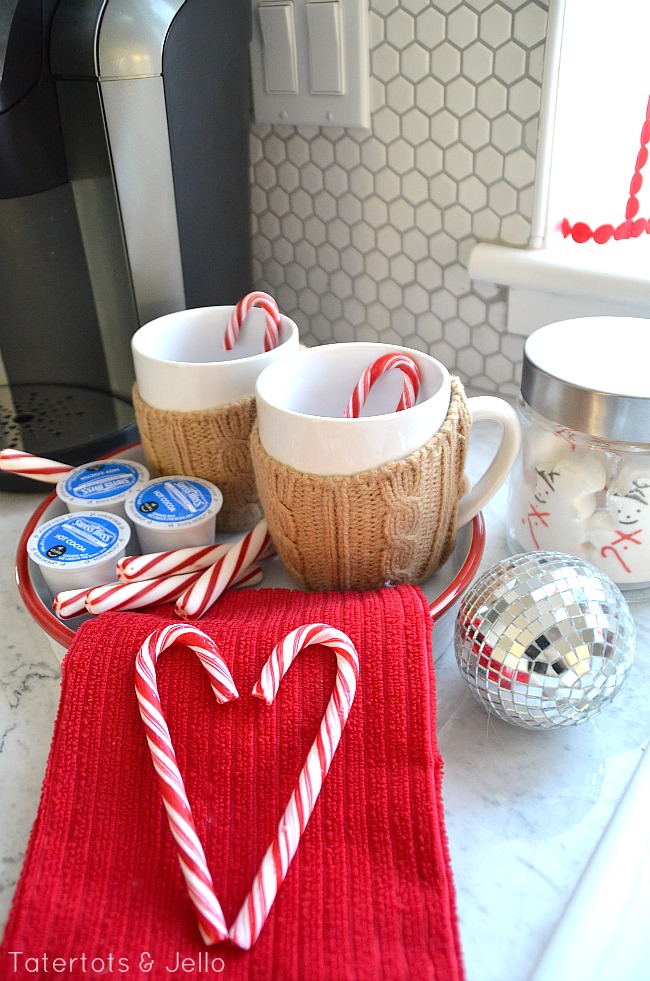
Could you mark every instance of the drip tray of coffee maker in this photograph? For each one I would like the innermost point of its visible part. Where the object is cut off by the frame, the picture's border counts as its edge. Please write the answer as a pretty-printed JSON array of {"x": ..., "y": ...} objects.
[{"x": 61, "y": 422}]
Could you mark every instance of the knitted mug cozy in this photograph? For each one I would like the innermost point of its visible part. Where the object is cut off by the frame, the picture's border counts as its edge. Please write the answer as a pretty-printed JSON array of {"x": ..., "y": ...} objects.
[
  {"x": 396, "y": 523},
  {"x": 208, "y": 443}
]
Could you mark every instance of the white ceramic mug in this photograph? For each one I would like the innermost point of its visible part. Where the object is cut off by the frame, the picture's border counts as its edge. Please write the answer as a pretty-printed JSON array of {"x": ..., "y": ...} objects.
[
  {"x": 302, "y": 399},
  {"x": 181, "y": 364},
  {"x": 194, "y": 400}
]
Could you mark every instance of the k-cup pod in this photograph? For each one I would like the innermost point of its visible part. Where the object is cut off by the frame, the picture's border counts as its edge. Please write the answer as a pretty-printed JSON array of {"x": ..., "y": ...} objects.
[
  {"x": 174, "y": 512},
  {"x": 79, "y": 550},
  {"x": 101, "y": 486}
]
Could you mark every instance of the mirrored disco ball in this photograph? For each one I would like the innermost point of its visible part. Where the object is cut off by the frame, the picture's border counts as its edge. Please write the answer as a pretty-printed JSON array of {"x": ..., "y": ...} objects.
[{"x": 544, "y": 639}]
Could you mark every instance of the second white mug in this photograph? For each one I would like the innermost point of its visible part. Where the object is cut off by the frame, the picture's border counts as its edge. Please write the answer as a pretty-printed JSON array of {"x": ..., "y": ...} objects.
[{"x": 302, "y": 399}]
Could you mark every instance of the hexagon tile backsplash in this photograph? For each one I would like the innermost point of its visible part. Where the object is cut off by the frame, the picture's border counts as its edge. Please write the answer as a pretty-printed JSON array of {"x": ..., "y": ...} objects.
[{"x": 365, "y": 236}]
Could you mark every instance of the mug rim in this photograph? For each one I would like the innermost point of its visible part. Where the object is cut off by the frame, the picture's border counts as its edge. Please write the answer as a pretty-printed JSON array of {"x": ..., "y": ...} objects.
[
  {"x": 445, "y": 375},
  {"x": 151, "y": 325}
]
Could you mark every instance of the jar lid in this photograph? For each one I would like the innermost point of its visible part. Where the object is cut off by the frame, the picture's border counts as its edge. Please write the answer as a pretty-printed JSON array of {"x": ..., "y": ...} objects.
[{"x": 591, "y": 375}]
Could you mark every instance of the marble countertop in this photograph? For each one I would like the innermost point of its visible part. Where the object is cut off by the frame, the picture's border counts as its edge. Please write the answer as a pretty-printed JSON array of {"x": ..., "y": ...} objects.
[{"x": 525, "y": 811}]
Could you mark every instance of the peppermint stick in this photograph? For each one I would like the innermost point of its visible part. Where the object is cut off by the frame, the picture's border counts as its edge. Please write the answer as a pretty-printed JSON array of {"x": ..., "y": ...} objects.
[
  {"x": 200, "y": 596},
  {"x": 70, "y": 603},
  {"x": 135, "y": 568},
  {"x": 175, "y": 562},
  {"x": 387, "y": 362},
  {"x": 73, "y": 602},
  {"x": 191, "y": 855},
  {"x": 275, "y": 864},
  {"x": 37, "y": 467},
  {"x": 152, "y": 592}
]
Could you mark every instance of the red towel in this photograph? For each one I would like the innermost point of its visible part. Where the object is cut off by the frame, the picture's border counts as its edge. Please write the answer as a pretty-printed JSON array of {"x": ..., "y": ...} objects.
[{"x": 369, "y": 894}]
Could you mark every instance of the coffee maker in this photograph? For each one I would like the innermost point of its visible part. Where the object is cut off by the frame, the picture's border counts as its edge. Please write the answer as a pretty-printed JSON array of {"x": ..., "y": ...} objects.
[{"x": 124, "y": 195}]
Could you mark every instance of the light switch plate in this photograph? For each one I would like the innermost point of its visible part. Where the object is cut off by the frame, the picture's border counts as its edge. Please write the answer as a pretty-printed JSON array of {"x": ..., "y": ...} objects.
[{"x": 350, "y": 108}]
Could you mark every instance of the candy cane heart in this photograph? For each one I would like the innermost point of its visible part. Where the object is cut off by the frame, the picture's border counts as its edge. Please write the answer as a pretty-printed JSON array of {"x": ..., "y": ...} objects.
[
  {"x": 212, "y": 924},
  {"x": 276, "y": 861}
]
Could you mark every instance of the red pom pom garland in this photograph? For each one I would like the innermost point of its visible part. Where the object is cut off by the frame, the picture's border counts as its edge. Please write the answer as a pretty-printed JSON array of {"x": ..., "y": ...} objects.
[{"x": 632, "y": 226}]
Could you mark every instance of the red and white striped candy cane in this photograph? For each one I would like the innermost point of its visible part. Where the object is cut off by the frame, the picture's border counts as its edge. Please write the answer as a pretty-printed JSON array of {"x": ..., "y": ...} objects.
[
  {"x": 151, "y": 592},
  {"x": 70, "y": 603},
  {"x": 194, "y": 558},
  {"x": 275, "y": 864},
  {"x": 116, "y": 596},
  {"x": 386, "y": 362},
  {"x": 37, "y": 467},
  {"x": 237, "y": 317},
  {"x": 175, "y": 562},
  {"x": 200, "y": 596},
  {"x": 212, "y": 924},
  {"x": 73, "y": 602}
]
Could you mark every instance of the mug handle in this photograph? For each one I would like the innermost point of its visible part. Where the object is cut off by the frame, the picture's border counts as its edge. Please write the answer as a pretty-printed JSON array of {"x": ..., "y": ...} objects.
[{"x": 491, "y": 407}]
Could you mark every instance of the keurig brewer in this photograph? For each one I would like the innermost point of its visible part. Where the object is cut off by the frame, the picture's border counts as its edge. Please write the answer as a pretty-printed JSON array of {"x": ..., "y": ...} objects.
[{"x": 124, "y": 194}]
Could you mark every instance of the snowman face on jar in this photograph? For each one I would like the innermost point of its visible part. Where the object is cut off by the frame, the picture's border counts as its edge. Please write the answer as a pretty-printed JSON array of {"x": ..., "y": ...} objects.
[
  {"x": 564, "y": 484},
  {"x": 631, "y": 507},
  {"x": 621, "y": 533},
  {"x": 545, "y": 484},
  {"x": 561, "y": 475},
  {"x": 570, "y": 486}
]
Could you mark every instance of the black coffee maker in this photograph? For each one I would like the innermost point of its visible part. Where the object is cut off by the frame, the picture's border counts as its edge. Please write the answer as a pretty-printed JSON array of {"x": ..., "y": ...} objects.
[{"x": 124, "y": 195}]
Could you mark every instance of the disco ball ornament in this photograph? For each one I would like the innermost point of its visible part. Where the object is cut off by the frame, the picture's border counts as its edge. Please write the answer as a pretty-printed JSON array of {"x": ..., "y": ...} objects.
[{"x": 544, "y": 639}]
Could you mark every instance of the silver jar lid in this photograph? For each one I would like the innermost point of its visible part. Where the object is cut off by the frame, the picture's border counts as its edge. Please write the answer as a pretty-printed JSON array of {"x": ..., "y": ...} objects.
[{"x": 591, "y": 375}]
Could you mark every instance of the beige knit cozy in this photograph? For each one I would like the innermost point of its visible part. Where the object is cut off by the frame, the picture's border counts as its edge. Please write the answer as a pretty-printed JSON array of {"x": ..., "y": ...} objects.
[
  {"x": 394, "y": 524},
  {"x": 211, "y": 443}
]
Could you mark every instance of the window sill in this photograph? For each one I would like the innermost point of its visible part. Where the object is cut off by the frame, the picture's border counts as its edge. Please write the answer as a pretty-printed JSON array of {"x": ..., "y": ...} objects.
[{"x": 547, "y": 285}]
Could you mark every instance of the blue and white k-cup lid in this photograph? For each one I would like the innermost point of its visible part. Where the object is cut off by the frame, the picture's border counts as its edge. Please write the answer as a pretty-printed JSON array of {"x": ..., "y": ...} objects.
[
  {"x": 174, "y": 511},
  {"x": 101, "y": 485},
  {"x": 79, "y": 549}
]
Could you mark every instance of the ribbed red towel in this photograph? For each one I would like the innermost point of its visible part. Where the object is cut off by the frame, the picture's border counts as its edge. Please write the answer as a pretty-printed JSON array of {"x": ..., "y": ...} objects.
[{"x": 369, "y": 894}]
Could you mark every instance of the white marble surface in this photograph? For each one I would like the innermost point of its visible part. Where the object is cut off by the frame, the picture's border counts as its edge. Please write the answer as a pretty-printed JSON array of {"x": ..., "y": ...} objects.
[
  {"x": 524, "y": 810},
  {"x": 29, "y": 694}
]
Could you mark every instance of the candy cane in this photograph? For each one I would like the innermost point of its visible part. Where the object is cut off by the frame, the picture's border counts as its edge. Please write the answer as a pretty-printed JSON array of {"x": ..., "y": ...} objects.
[
  {"x": 212, "y": 924},
  {"x": 275, "y": 864},
  {"x": 116, "y": 596},
  {"x": 73, "y": 602},
  {"x": 70, "y": 603},
  {"x": 37, "y": 467},
  {"x": 378, "y": 368},
  {"x": 237, "y": 317},
  {"x": 151, "y": 592},
  {"x": 200, "y": 596},
  {"x": 135, "y": 568}
]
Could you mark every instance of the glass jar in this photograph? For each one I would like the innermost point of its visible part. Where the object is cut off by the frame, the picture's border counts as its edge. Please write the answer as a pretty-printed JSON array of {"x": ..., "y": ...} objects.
[{"x": 581, "y": 483}]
